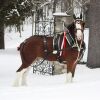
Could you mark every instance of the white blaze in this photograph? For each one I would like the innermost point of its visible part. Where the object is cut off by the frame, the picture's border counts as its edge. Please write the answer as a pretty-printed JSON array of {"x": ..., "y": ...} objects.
[{"x": 79, "y": 33}]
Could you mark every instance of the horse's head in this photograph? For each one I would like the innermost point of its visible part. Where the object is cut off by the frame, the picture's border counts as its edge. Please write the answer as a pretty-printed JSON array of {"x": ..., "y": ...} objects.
[{"x": 79, "y": 27}]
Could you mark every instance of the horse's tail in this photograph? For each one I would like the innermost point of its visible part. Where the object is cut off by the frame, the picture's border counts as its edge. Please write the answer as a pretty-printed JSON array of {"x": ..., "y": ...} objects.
[
  {"x": 22, "y": 54},
  {"x": 20, "y": 46}
]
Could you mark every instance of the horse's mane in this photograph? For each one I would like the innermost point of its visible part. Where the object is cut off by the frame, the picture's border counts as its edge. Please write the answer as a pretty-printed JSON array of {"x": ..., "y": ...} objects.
[{"x": 71, "y": 29}]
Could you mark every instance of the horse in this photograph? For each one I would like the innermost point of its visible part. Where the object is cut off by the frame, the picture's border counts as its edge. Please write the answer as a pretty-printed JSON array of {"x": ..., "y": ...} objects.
[{"x": 70, "y": 49}]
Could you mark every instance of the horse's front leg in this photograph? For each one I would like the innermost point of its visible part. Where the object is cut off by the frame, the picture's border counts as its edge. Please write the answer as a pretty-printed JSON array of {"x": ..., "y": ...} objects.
[
  {"x": 70, "y": 72},
  {"x": 69, "y": 77}
]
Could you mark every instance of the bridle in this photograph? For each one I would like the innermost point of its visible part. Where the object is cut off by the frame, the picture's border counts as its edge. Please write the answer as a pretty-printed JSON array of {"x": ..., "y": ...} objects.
[
  {"x": 79, "y": 44},
  {"x": 79, "y": 28},
  {"x": 78, "y": 22}
]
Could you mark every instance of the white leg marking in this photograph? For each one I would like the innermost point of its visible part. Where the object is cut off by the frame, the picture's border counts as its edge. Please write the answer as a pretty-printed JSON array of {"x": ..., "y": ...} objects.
[
  {"x": 69, "y": 77},
  {"x": 17, "y": 80},
  {"x": 21, "y": 78},
  {"x": 25, "y": 76}
]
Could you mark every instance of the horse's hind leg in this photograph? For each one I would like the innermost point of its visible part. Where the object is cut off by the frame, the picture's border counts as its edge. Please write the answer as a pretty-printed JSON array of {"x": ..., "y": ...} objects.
[
  {"x": 21, "y": 76},
  {"x": 24, "y": 76}
]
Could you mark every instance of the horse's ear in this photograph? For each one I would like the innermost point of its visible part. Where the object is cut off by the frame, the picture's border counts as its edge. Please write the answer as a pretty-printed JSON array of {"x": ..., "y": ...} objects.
[
  {"x": 81, "y": 16},
  {"x": 74, "y": 16}
]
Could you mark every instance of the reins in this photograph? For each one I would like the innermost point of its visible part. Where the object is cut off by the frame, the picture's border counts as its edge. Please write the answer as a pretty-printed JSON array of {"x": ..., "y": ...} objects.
[{"x": 79, "y": 50}]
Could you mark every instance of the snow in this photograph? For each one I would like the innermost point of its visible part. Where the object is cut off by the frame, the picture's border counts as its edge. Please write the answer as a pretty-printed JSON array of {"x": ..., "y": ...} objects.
[
  {"x": 85, "y": 85},
  {"x": 61, "y": 14}
]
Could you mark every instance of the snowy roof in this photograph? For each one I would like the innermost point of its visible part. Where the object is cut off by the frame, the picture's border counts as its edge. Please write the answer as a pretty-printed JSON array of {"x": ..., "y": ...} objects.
[{"x": 61, "y": 14}]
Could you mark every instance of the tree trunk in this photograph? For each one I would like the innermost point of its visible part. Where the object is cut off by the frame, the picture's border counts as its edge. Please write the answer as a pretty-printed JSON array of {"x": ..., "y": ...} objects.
[
  {"x": 93, "y": 60},
  {"x": 2, "y": 46}
]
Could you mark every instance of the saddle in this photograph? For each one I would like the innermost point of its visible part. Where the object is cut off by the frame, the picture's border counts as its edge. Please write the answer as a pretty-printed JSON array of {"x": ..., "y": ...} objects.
[{"x": 56, "y": 43}]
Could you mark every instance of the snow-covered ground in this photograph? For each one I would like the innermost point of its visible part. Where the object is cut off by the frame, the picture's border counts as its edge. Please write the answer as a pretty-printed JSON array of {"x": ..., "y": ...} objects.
[{"x": 85, "y": 86}]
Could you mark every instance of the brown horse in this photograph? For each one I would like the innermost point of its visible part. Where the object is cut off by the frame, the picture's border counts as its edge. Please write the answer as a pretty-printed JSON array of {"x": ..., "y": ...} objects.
[{"x": 71, "y": 46}]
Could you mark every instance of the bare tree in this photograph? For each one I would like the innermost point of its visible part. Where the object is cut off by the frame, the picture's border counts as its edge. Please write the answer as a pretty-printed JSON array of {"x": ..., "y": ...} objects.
[{"x": 76, "y": 6}]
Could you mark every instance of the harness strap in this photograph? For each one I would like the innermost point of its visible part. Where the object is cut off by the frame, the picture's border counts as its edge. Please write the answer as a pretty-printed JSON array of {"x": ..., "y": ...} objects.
[
  {"x": 56, "y": 44},
  {"x": 63, "y": 44}
]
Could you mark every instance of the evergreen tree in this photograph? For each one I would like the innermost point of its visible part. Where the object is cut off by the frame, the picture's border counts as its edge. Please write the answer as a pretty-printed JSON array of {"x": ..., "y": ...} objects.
[{"x": 13, "y": 12}]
